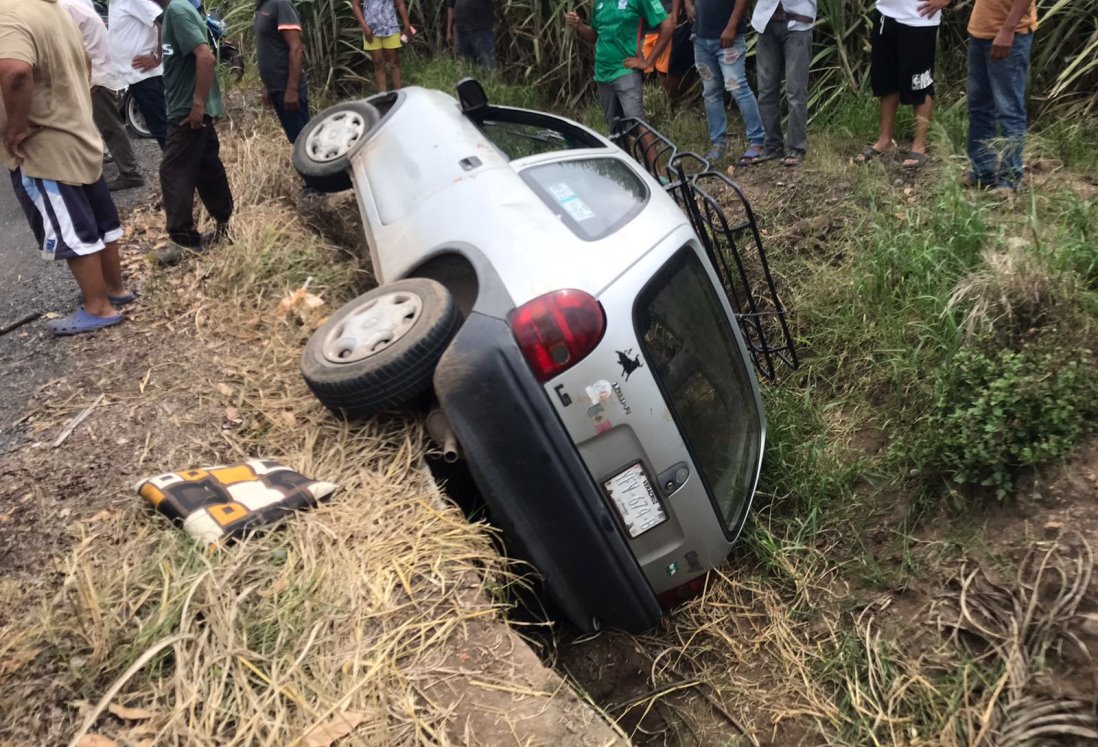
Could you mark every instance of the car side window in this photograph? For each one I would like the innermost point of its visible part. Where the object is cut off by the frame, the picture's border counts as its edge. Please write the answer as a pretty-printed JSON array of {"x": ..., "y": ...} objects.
[{"x": 594, "y": 197}]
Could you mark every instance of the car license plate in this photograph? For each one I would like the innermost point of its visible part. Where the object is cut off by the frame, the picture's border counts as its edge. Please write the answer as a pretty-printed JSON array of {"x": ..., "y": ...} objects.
[{"x": 635, "y": 500}]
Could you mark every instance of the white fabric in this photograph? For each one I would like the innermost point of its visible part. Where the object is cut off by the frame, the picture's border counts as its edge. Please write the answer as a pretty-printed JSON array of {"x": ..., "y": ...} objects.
[
  {"x": 132, "y": 25},
  {"x": 96, "y": 42},
  {"x": 907, "y": 12},
  {"x": 764, "y": 9}
]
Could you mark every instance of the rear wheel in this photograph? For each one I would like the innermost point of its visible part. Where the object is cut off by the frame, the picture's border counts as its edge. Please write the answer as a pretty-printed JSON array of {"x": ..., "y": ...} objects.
[
  {"x": 379, "y": 351},
  {"x": 323, "y": 150},
  {"x": 135, "y": 118}
]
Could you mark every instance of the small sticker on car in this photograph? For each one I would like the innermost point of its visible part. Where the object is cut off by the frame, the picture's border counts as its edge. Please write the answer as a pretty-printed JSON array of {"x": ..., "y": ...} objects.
[
  {"x": 600, "y": 391},
  {"x": 570, "y": 201}
]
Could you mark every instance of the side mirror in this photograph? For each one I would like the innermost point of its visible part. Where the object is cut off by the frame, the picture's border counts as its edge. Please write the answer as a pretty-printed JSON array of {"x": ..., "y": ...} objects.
[{"x": 471, "y": 95}]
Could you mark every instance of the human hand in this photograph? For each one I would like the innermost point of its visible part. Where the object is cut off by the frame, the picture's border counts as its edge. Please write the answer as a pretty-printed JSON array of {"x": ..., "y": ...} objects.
[
  {"x": 636, "y": 63},
  {"x": 145, "y": 62},
  {"x": 13, "y": 140},
  {"x": 728, "y": 38},
  {"x": 928, "y": 8},
  {"x": 290, "y": 100},
  {"x": 194, "y": 120},
  {"x": 265, "y": 98},
  {"x": 410, "y": 30},
  {"x": 1000, "y": 46},
  {"x": 368, "y": 33},
  {"x": 572, "y": 19}
]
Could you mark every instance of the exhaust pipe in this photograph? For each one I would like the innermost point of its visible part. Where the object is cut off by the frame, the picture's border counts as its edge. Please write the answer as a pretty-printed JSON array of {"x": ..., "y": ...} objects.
[{"x": 438, "y": 427}]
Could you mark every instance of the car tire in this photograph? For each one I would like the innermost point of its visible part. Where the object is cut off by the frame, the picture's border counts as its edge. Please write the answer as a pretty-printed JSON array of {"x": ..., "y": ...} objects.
[
  {"x": 379, "y": 351},
  {"x": 323, "y": 150},
  {"x": 134, "y": 117}
]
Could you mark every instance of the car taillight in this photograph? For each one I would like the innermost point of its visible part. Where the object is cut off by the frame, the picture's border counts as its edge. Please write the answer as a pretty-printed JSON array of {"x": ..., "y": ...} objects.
[
  {"x": 555, "y": 331},
  {"x": 672, "y": 598}
]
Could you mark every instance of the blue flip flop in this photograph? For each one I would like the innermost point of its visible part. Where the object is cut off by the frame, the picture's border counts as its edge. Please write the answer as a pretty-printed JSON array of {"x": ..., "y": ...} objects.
[
  {"x": 126, "y": 298},
  {"x": 80, "y": 321}
]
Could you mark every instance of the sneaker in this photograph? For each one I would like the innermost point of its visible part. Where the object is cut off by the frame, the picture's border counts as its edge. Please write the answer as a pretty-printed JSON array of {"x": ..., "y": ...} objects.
[
  {"x": 715, "y": 153},
  {"x": 969, "y": 181},
  {"x": 126, "y": 181},
  {"x": 173, "y": 254}
]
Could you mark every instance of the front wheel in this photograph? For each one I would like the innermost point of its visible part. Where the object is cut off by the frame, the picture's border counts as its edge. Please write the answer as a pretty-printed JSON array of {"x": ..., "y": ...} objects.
[
  {"x": 379, "y": 351},
  {"x": 323, "y": 150}
]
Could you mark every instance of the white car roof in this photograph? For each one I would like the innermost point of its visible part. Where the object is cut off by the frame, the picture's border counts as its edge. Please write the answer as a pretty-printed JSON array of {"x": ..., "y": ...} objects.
[{"x": 429, "y": 179}]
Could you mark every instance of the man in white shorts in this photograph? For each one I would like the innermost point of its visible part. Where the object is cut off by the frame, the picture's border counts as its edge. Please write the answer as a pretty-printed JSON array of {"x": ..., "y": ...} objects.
[{"x": 55, "y": 156}]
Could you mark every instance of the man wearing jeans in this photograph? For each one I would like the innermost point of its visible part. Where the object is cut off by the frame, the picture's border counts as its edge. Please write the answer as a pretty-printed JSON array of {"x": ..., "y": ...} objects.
[
  {"x": 135, "y": 50},
  {"x": 784, "y": 51},
  {"x": 279, "y": 52},
  {"x": 476, "y": 40},
  {"x": 720, "y": 52},
  {"x": 999, "y": 47},
  {"x": 192, "y": 158}
]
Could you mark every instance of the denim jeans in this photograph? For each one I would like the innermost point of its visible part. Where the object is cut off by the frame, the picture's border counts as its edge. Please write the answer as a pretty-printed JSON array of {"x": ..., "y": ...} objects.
[
  {"x": 997, "y": 111},
  {"x": 726, "y": 70},
  {"x": 478, "y": 47},
  {"x": 782, "y": 53},
  {"x": 292, "y": 122},
  {"x": 149, "y": 95}
]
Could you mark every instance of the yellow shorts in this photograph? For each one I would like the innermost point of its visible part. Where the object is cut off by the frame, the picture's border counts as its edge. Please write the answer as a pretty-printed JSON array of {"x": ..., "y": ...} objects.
[
  {"x": 382, "y": 42},
  {"x": 662, "y": 63}
]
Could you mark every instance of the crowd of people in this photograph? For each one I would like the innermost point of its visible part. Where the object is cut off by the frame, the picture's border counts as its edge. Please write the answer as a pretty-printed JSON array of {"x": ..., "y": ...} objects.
[{"x": 62, "y": 68}]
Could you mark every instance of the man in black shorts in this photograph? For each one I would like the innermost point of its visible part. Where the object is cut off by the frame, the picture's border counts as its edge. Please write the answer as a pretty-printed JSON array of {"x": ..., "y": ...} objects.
[
  {"x": 905, "y": 35},
  {"x": 55, "y": 157}
]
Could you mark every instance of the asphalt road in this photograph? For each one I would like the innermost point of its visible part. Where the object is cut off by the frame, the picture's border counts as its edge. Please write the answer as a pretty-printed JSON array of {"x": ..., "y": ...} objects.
[{"x": 30, "y": 356}]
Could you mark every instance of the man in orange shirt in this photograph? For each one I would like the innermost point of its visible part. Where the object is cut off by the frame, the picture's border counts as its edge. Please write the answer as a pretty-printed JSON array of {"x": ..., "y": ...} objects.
[{"x": 999, "y": 49}]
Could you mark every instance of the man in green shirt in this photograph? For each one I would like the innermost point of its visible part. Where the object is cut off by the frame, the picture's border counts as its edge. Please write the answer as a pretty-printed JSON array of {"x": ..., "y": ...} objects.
[
  {"x": 191, "y": 160},
  {"x": 615, "y": 31}
]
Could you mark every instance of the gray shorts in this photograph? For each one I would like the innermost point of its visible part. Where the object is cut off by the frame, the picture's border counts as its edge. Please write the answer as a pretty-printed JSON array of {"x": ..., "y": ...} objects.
[{"x": 622, "y": 98}]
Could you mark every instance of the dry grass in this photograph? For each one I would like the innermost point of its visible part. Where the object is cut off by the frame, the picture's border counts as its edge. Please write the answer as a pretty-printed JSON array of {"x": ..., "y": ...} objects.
[
  {"x": 1013, "y": 294},
  {"x": 378, "y": 614}
]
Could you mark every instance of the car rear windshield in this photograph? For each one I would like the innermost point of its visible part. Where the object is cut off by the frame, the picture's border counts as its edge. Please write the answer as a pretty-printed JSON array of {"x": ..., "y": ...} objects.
[
  {"x": 691, "y": 350},
  {"x": 593, "y": 196}
]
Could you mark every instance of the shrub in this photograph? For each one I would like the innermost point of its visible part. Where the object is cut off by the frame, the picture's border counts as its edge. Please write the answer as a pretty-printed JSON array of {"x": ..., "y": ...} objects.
[{"x": 998, "y": 414}]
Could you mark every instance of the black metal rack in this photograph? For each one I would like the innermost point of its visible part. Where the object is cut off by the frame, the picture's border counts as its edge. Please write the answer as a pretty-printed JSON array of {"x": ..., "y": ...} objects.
[{"x": 724, "y": 222}]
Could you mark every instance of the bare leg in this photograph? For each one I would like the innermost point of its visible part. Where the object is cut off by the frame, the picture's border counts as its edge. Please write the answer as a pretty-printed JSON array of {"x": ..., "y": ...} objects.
[
  {"x": 890, "y": 104},
  {"x": 89, "y": 276},
  {"x": 379, "y": 70},
  {"x": 111, "y": 268},
  {"x": 922, "y": 125},
  {"x": 392, "y": 59}
]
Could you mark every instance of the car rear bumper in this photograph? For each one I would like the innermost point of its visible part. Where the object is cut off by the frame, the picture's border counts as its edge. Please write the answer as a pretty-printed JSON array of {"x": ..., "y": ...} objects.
[{"x": 537, "y": 489}]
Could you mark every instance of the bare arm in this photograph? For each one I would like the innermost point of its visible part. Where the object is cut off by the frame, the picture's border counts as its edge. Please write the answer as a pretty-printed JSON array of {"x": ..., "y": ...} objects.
[
  {"x": 636, "y": 63},
  {"x": 357, "y": 8},
  {"x": 690, "y": 11},
  {"x": 293, "y": 80},
  {"x": 739, "y": 10},
  {"x": 402, "y": 9},
  {"x": 1004, "y": 40},
  {"x": 450, "y": 25},
  {"x": 17, "y": 88},
  {"x": 583, "y": 31},
  {"x": 148, "y": 61},
  {"x": 204, "y": 65}
]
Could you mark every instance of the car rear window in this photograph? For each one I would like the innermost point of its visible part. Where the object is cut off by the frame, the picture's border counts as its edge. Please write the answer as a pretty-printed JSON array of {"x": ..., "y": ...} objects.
[
  {"x": 691, "y": 350},
  {"x": 594, "y": 197}
]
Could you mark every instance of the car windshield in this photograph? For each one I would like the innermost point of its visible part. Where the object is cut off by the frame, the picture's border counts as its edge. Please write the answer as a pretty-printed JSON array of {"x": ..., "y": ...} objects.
[
  {"x": 594, "y": 197},
  {"x": 689, "y": 343}
]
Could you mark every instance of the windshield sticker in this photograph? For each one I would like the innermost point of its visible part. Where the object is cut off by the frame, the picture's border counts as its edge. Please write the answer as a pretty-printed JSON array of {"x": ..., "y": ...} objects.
[{"x": 568, "y": 200}]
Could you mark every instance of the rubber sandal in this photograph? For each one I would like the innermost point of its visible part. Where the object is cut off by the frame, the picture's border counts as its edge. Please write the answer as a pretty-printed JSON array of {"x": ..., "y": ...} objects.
[
  {"x": 80, "y": 322},
  {"x": 754, "y": 154},
  {"x": 793, "y": 159},
  {"x": 122, "y": 300},
  {"x": 919, "y": 160},
  {"x": 867, "y": 155}
]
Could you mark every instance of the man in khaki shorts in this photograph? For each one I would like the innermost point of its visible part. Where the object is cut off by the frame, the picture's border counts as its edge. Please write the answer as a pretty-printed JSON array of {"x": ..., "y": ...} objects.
[{"x": 55, "y": 156}]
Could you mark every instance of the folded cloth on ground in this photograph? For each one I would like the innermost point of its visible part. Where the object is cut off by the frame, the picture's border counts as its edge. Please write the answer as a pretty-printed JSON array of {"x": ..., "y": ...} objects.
[{"x": 215, "y": 504}]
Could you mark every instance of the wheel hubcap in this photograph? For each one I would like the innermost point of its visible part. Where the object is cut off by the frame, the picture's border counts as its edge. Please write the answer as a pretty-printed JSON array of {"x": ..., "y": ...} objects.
[
  {"x": 335, "y": 136},
  {"x": 372, "y": 327}
]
